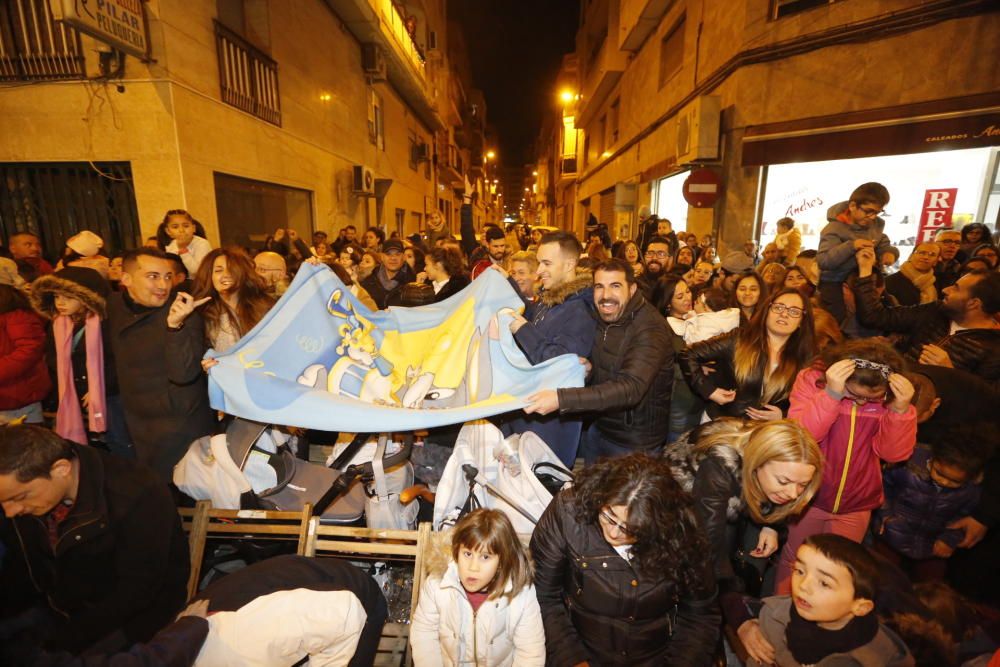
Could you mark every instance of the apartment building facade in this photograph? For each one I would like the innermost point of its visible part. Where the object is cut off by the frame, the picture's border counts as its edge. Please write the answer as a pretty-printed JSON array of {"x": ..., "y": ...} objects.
[
  {"x": 789, "y": 102},
  {"x": 251, "y": 114}
]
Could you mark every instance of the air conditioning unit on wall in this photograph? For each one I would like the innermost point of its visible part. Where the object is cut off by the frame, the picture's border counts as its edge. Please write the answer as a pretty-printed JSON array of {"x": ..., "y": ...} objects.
[
  {"x": 363, "y": 183},
  {"x": 698, "y": 130},
  {"x": 373, "y": 61}
]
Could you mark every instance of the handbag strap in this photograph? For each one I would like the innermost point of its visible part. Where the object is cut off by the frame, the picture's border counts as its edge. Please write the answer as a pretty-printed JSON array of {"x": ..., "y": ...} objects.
[
  {"x": 381, "y": 488},
  {"x": 554, "y": 467}
]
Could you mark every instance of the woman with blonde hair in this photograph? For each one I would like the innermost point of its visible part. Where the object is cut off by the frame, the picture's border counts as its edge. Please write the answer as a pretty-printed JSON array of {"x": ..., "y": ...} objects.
[{"x": 736, "y": 470}]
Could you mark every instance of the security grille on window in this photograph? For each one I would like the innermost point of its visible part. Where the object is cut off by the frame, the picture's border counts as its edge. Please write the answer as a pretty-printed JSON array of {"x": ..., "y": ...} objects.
[
  {"x": 34, "y": 46},
  {"x": 248, "y": 76},
  {"x": 781, "y": 8}
]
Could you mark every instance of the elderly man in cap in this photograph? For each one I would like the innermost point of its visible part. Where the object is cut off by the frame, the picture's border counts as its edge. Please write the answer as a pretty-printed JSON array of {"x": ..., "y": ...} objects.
[{"x": 385, "y": 283}]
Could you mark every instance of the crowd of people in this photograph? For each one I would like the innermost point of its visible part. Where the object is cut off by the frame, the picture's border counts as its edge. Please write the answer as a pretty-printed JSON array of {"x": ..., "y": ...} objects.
[{"x": 788, "y": 457}]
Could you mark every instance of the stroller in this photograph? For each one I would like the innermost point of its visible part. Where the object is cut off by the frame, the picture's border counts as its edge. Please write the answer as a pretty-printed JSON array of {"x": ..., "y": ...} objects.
[
  {"x": 253, "y": 466},
  {"x": 518, "y": 475}
]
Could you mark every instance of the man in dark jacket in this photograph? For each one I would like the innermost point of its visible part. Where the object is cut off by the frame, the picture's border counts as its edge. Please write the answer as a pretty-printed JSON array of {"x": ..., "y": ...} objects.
[
  {"x": 387, "y": 281},
  {"x": 559, "y": 322},
  {"x": 633, "y": 372},
  {"x": 96, "y": 553},
  {"x": 960, "y": 331},
  {"x": 159, "y": 370}
]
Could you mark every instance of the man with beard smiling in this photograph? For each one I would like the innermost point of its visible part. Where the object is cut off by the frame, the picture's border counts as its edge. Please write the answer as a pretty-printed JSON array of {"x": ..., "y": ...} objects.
[
  {"x": 632, "y": 376},
  {"x": 658, "y": 260},
  {"x": 960, "y": 331}
]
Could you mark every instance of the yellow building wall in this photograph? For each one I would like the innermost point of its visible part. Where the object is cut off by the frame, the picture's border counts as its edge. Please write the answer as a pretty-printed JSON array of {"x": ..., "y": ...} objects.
[{"x": 173, "y": 127}]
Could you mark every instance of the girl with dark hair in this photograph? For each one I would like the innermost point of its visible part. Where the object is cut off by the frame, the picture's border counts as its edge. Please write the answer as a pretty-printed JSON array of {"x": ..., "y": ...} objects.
[
  {"x": 416, "y": 258},
  {"x": 674, "y": 300},
  {"x": 974, "y": 235},
  {"x": 756, "y": 364},
  {"x": 349, "y": 258},
  {"x": 488, "y": 573},
  {"x": 367, "y": 264},
  {"x": 620, "y": 570},
  {"x": 796, "y": 278},
  {"x": 182, "y": 235},
  {"x": 79, "y": 355},
  {"x": 749, "y": 291},
  {"x": 856, "y": 403},
  {"x": 236, "y": 296},
  {"x": 24, "y": 380},
  {"x": 444, "y": 271},
  {"x": 988, "y": 253},
  {"x": 629, "y": 251}
]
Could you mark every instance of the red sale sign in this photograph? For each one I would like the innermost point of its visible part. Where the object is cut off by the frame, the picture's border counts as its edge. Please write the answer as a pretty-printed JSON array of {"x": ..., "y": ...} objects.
[{"x": 936, "y": 213}]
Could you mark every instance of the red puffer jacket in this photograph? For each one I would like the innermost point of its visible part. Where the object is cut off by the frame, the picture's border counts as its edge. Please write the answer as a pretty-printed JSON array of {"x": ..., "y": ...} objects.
[{"x": 24, "y": 377}]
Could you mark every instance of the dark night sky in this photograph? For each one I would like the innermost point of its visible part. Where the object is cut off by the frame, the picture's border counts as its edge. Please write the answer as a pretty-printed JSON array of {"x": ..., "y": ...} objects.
[{"x": 516, "y": 47}]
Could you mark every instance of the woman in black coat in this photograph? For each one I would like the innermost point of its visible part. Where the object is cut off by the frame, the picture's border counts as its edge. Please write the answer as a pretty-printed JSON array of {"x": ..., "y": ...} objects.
[
  {"x": 620, "y": 571},
  {"x": 749, "y": 371},
  {"x": 445, "y": 273}
]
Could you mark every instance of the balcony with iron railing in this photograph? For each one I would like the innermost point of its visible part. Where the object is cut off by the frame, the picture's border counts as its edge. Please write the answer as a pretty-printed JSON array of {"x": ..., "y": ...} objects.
[
  {"x": 451, "y": 169},
  {"x": 379, "y": 22},
  {"x": 34, "y": 46},
  {"x": 248, "y": 77}
]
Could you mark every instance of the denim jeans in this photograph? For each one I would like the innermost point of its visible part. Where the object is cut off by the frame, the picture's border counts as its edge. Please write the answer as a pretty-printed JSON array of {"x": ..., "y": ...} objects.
[{"x": 595, "y": 446}]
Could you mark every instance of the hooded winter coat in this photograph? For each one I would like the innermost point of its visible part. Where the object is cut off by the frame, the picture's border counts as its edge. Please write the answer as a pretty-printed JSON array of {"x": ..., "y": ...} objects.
[
  {"x": 64, "y": 283},
  {"x": 836, "y": 243},
  {"x": 560, "y": 322},
  {"x": 886, "y": 650},
  {"x": 597, "y": 607},
  {"x": 633, "y": 373},
  {"x": 853, "y": 439},
  {"x": 917, "y": 511},
  {"x": 503, "y": 632}
]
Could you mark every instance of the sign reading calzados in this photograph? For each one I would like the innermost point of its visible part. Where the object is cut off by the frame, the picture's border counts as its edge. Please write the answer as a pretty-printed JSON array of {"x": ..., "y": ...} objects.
[{"x": 119, "y": 23}]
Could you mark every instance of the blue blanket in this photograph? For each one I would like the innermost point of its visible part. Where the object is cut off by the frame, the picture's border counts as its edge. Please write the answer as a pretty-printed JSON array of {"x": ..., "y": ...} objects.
[{"x": 320, "y": 359}]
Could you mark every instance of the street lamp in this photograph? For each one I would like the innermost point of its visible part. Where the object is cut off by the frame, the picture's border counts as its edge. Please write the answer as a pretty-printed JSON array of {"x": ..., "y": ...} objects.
[
  {"x": 566, "y": 96},
  {"x": 490, "y": 155}
]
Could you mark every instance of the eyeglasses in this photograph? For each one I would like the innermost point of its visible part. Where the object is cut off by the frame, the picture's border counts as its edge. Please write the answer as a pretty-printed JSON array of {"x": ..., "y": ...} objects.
[
  {"x": 780, "y": 309},
  {"x": 657, "y": 253},
  {"x": 925, "y": 253},
  {"x": 948, "y": 242},
  {"x": 862, "y": 400},
  {"x": 615, "y": 523},
  {"x": 872, "y": 212}
]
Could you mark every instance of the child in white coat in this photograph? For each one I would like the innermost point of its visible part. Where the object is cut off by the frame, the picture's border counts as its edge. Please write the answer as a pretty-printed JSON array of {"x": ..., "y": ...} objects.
[{"x": 482, "y": 608}]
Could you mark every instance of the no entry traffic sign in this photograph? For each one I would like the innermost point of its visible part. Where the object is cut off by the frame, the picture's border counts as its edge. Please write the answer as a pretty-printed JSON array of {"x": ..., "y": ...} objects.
[{"x": 702, "y": 188}]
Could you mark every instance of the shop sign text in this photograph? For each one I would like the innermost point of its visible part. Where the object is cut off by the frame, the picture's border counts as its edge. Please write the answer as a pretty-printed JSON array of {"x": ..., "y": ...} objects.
[
  {"x": 936, "y": 213},
  {"x": 118, "y": 23}
]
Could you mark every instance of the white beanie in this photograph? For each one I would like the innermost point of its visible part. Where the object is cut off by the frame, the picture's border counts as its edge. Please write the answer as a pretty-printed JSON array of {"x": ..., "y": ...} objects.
[{"x": 86, "y": 243}]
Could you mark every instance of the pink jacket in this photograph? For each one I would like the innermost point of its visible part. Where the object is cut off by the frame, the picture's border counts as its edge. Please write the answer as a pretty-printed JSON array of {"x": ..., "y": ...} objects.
[{"x": 852, "y": 438}]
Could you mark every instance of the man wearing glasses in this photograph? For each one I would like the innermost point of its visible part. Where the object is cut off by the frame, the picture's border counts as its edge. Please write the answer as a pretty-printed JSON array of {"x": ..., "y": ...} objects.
[
  {"x": 853, "y": 225},
  {"x": 948, "y": 268}
]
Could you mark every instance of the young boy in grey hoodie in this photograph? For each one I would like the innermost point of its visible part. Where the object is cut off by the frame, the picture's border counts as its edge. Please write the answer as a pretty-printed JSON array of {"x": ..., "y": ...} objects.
[{"x": 853, "y": 225}]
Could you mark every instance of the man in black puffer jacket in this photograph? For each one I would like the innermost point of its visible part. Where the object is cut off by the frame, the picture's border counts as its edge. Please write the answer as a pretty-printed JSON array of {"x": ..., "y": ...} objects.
[
  {"x": 632, "y": 376},
  {"x": 960, "y": 331}
]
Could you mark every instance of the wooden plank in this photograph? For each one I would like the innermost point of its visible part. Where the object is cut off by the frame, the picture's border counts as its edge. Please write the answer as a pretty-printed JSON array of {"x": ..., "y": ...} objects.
[
  {"x": 196, "y": 539},
  {"x": 366, "y": 548},
  {"x": 368, "y": 533}
]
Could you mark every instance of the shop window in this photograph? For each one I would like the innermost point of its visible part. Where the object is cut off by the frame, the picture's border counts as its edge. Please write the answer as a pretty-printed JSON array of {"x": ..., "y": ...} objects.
[
  {"x": 671, "y": 52},
  {"x": 55, "y": 200},
  {"x": 668, "y": 200},
  {"x": 249, "y": 211},
  {"x": 783, "y": 8},
  {"x": 34, "y": 46}
]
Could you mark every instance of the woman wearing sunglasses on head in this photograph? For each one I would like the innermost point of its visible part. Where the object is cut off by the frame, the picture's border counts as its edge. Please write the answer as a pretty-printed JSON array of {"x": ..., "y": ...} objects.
[
  {"x": 749, "y": 372},
  {"x": 620, "y": 570}
]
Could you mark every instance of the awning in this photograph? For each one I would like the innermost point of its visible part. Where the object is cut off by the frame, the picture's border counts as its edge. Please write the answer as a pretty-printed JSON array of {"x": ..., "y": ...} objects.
[{"x": 961, "y": 122}]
